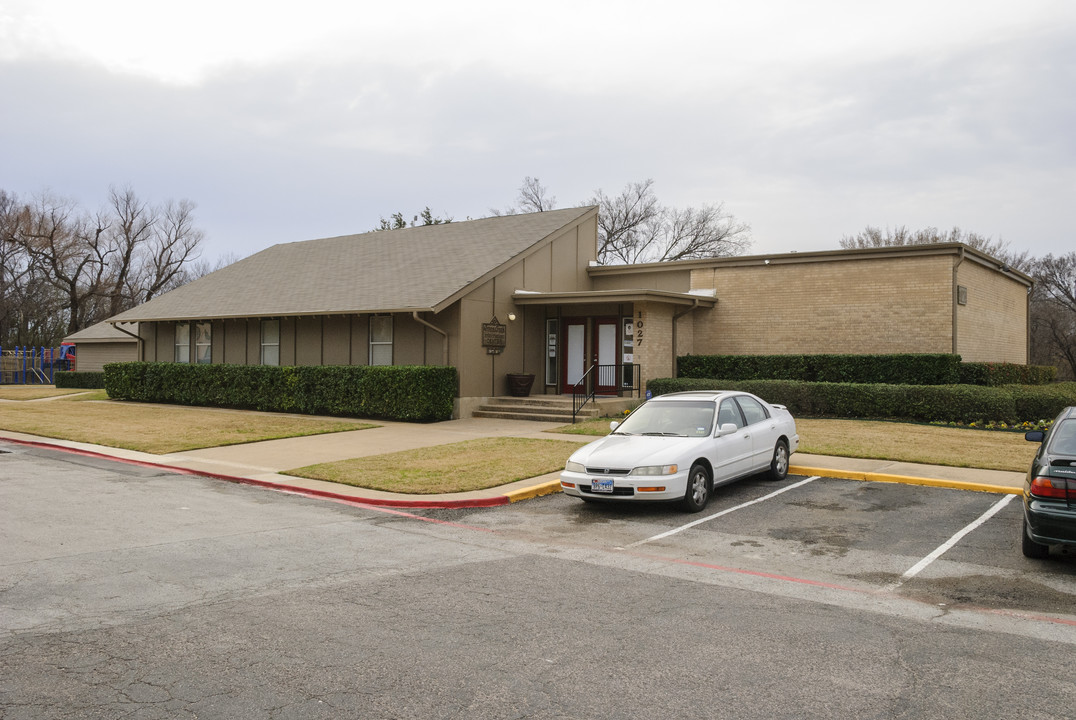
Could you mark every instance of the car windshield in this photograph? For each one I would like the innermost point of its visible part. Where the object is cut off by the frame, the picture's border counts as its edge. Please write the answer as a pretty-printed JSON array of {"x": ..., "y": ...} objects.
[
  {"x": 1063, "y": 438},
  {"x": 677, "y": 418}
]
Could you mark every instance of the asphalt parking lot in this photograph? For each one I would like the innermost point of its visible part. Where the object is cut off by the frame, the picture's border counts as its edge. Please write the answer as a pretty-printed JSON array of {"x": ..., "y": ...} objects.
[
  {"x": 132, "y": 591},
  {"x": 949, "y": 548}
]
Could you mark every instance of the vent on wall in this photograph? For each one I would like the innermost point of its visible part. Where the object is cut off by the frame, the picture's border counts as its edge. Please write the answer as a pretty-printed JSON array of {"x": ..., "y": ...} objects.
[{"x": 961, "y": 295}]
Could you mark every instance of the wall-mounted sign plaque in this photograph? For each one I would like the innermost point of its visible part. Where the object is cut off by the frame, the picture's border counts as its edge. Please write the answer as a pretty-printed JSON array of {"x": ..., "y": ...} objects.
[{"x": 494, "y": 336}]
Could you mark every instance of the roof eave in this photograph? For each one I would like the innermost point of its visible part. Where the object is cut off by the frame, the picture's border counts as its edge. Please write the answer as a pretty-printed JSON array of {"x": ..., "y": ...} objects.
[{"x": 611, "y": 296}]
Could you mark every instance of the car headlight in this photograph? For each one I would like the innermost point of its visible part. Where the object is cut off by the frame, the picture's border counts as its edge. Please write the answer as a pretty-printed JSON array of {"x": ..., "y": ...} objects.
[
  {"x": 655, "y": 470},
  {"x": 574, "y": 467}
]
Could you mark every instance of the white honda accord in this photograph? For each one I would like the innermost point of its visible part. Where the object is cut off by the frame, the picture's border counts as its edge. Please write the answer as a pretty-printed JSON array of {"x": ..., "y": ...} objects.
[{"x": 680, "y": 446}]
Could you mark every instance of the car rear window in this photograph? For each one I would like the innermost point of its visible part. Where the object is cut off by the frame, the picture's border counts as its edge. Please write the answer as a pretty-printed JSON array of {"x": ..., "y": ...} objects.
[{"x": 1063, "y": 438}]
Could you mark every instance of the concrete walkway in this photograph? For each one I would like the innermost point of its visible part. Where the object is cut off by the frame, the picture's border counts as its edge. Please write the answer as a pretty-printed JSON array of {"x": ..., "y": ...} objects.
[{"x": 263, "y": 463}]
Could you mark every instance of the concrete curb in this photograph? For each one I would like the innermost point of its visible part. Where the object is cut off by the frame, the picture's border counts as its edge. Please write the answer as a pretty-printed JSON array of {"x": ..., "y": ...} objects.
[
  {"x": 534, "y": 491},
  {"x": 284, "y": 487},
  {"x": 904, "y": 479},
  {"x": 526, "y": 493}
]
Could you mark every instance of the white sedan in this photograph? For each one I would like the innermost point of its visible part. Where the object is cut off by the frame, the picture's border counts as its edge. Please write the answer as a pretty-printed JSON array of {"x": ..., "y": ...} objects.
[{"x": 680, "y": 446}]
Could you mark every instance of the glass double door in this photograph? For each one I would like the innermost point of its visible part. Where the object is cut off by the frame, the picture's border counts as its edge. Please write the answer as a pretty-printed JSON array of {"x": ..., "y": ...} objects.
[{"x": 580, "y": 354}]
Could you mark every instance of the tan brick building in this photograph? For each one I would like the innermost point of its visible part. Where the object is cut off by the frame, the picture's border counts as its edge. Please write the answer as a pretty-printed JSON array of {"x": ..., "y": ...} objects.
[
  {"x": 523, "y": 294},
  {"x": 945, "y": 298}
]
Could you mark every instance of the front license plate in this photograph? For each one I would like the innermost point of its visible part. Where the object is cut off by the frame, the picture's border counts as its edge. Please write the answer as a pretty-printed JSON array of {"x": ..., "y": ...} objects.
[{"x": 604, "y": 485}]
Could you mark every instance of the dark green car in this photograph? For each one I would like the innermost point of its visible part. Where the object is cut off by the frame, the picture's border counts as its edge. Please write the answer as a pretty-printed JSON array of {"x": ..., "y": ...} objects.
[{"x": 1050, "y": 488}]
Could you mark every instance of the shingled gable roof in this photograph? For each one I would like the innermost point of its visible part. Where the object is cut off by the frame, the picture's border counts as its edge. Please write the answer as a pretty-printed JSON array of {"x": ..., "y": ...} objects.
[{"x": 422, "y": 268}]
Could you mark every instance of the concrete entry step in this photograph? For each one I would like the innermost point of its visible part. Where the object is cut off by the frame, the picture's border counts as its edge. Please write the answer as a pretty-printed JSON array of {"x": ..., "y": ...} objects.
[
  {"x": 510, "y": 415},
  {"x": 553, "y": 408}
]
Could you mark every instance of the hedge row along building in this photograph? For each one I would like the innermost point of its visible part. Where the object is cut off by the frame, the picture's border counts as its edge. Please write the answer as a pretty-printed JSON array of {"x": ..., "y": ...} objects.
[{"x": 523, "y": 294}]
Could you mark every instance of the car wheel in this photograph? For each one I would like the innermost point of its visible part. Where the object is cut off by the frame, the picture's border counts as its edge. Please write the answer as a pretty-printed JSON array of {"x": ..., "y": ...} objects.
[
  {"x": 1032, "y": 549},
  {"x": 698, "y": 488},
  {"x": 779, "y": 464}
]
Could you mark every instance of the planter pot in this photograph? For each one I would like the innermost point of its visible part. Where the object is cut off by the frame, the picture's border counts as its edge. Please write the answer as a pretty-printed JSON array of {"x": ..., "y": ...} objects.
[{"x": 519, "y": 384}]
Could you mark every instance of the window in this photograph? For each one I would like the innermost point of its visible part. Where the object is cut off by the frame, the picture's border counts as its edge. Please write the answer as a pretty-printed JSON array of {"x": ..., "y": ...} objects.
[
  {"x": 203, "y": 343},
  {"x": 729, "y": 413},
  {"x": 551, "y": 363},
  {"x": 183, "y": 342},
  {"x": 381, "y": 340},
  {"x": 270, "y": 342},
  {"x": 752, "y": 410}
]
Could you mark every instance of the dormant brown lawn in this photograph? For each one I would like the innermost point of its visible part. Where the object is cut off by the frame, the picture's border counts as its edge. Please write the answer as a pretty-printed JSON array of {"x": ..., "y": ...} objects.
[
  {"x": 157, "y": 428},
  {"x": 33, "y": 392},
  {"x": 456, "y": 467}
]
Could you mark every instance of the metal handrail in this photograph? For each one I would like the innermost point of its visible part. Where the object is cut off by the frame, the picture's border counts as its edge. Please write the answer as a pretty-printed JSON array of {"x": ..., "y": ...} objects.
[{"x": 585, "y": 389}]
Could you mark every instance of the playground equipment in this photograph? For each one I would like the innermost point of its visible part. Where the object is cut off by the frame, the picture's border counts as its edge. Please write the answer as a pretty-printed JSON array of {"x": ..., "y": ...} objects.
[{"x": 35, "y": 366}]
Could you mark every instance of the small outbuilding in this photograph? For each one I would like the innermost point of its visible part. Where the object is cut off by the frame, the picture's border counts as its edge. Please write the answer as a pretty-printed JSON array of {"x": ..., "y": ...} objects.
[{"x": 103, "y": 343}]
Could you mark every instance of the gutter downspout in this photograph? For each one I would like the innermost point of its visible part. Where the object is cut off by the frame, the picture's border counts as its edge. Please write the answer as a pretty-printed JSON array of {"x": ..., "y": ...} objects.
[
  {"x": 956, "y": 297},
  {"x": 116, "y": 326},
  {"x": 675, "y": 317},
  {"x": 444, "y": 360}
]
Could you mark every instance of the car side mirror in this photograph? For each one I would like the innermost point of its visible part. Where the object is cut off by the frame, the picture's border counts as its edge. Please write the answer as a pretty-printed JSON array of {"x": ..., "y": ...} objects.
[
  {"x": 1034, "y": 436},
  {"x": 613, "y": 426},
  {"x": 726, "y": 429}
]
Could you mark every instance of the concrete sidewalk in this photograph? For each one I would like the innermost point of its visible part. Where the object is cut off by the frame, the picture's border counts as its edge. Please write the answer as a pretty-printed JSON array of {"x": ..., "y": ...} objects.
[{"x": 263, "y": 463}]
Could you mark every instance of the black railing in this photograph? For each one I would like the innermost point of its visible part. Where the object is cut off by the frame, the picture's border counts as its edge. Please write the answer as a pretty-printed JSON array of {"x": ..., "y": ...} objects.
[{"x": 620, "y": 378}]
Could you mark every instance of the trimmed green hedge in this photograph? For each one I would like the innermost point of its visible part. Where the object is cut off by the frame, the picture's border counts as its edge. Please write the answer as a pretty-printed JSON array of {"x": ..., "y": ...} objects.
[
  {"x": 895, "y": 369},
  {"x": 400, "y": 392},
  {"x": 994, "y": 374},
  {"x": 924, "y": 403},
  {"x": 72, "y": 379},
  {"x": 933, "y": 369}
]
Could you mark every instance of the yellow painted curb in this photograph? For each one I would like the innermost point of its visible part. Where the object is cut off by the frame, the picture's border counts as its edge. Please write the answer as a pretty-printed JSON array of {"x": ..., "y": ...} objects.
[
  {"x": 905, "y": 479},
  {"x": 534, "y": 491}
]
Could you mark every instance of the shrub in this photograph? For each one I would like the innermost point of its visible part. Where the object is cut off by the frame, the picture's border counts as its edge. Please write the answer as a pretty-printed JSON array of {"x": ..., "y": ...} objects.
[
  {"x": 994, "y": 374},
  {"x": 400, "y": 392},
  {"x": 73, "y": 379},
  {"x": 896, "y": 369},
  {"x": 900, "y": 369},
  {"x": 923, "y": 403}
]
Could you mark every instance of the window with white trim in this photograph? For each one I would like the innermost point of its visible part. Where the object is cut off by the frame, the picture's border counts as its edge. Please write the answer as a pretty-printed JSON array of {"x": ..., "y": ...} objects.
[
  {"x": 203, "y": 343},
  {"x": 381, "y": 340},
  {"x": 183, "y": 343},
  {"x": 270, "y": 354}
]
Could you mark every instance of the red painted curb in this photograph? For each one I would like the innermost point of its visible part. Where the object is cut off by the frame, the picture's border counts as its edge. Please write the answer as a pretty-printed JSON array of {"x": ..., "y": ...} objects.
[{"x": 294, "y": 489}]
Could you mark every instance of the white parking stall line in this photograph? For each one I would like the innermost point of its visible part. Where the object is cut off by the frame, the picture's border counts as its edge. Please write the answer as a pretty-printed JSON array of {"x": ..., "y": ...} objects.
[
  {"x": 944, "y": 547},
  {"x": 723, "y": 512}
]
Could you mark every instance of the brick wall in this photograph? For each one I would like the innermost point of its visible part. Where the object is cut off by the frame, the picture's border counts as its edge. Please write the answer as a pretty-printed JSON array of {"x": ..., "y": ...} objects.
[
  {"x": 874, "y": 305},
  {"x": 992, "y": 326},
  {"x": 653, "y": 341}
]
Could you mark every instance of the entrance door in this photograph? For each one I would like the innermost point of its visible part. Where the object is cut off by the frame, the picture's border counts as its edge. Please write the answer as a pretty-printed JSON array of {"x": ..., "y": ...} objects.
[
  {"x": 605, "y": 355},
  {"x": 574, "y": 352}
]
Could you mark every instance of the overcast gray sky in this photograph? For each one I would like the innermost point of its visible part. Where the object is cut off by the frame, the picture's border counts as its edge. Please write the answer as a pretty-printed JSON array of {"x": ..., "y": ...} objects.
[{"x": 809, "y": 120}]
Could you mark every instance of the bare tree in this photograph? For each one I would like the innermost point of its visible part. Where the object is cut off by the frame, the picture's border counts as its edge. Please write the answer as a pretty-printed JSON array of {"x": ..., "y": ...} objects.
[
  {"x": 174, "y": 243},
  {"x": 67, "y": 268},
  {"x": 1053, "y": 313},
  {"x": 533, "y": 197},
  {"x": 66, "y": 245},
  {"x": 396, "y": 221},
  {"x": 999, "y": 249},
  {"x": 635, "y": 227}
]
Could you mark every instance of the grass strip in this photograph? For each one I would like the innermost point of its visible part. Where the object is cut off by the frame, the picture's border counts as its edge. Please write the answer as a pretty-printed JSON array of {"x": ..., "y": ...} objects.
[
  {"x": 455, "y": 467},
  {"x": 159, "y": 429},
  {"x": 896, "y": 441},
  {"x": 34, "y": 392}
]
